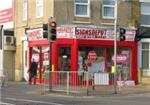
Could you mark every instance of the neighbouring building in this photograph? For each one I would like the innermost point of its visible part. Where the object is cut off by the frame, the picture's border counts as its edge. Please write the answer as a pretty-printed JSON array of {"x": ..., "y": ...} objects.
[
  {"x": 9, "y": 48},
  {"x": 144, "y": 43},
  {"x": 29, "y": 15},
  {"x": 84, "y": 28}
]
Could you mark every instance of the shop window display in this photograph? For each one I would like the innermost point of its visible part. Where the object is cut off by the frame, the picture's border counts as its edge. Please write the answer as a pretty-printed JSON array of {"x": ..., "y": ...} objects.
[
  {"x": 41, "y": 56},
  {"x": 123, "y": 63},
  {"x": 92, "y": 60},
  {"x": 102, "y": 61}
]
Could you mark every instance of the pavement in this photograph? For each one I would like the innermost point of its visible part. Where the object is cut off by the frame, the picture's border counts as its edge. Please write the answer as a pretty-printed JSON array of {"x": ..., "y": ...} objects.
[{"x": 25, "y": 88}]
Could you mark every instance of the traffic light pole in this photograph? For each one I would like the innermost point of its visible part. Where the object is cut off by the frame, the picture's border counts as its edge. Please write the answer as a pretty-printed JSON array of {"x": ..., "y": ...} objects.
[
  {"x": 50, "y": 66},
  {"x": 51, "y": 38},
  {"x": 50, "y": 56},
  {"x": 115, "y": 46}
]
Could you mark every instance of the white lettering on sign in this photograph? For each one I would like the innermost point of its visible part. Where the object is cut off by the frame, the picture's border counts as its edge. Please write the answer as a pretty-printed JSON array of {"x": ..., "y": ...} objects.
[
  {"x": 35, "y": 34},
  {"x": 130, "y": 35},
  {"x": 91, "y": 33},
  {"x": 121, "y": 58},
  {"x": 87, "y": 33},
  {"x": 65, "y": 32}
]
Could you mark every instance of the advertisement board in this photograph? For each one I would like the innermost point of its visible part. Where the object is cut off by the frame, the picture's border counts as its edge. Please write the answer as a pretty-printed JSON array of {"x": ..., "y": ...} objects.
[
  {"x": 92, "y": 33},
  {"x": 6, "y": 14}
]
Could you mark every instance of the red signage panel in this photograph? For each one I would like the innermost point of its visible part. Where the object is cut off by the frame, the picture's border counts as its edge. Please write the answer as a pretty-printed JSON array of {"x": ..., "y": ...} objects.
[{"x": 6, "y": 15}]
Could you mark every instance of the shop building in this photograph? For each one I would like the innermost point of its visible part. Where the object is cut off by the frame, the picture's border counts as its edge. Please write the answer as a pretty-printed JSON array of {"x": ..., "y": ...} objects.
[
  {"x": 29, "y": 15},
  {"x": 81, "y": 41},
  {"x": 7, "y": 55},
  {"x": 85, "y": 33},
  {"x": 76, "y": 46}
]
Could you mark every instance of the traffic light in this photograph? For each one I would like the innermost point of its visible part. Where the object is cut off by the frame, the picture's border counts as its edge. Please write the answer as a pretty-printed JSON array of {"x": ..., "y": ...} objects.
[
  {"x": 52, "y": 29},
  {"x": 45, "y": 30},
  {"x": 122, "y": 32},
  {"x": 137, "y": 35}
]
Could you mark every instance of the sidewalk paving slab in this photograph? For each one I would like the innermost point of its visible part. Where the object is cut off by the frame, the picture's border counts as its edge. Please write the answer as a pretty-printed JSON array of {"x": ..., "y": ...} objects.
[{"x": 39, "y": 90}]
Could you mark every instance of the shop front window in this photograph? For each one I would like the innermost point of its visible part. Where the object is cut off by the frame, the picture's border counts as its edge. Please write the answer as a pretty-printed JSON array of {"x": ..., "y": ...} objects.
[
  {"x": 45, "y": 58},
  {"x": 41, "y": 55},
  {"x": 36, "y": 57},
  {"x": 100, "y": 60},
  {"x": 123, "y": 64},
  {"x": 64, "y": 59},
  {"x": 91, "y": 59}
]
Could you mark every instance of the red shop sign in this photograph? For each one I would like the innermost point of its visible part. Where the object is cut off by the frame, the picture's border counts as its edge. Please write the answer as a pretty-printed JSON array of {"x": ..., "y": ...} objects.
[{"x": 92, "y": 56}]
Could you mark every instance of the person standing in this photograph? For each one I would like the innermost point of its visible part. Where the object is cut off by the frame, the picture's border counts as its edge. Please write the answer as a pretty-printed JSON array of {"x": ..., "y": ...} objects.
[{"x": 32, "y": 72}]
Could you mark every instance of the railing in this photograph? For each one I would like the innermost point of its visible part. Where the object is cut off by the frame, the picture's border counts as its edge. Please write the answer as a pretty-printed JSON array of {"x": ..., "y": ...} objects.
[
  {"x": 3, "y": 78},
  {"x": 73, "y": 82}
]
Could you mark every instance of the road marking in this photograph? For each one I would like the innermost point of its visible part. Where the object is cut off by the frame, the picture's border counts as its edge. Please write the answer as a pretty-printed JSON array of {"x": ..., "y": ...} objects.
[
  {"x": 2, "y": 103},
  {"x": 33, "y": 101}
]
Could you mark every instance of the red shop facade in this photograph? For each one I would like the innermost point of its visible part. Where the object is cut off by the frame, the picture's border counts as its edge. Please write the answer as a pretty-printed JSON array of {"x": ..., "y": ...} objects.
[{"x": 93, "y": 47}]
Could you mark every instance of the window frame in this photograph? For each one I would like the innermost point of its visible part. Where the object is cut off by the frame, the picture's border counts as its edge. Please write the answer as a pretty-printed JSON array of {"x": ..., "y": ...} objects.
[
  {"x": 142, "y": 14},
  {"x": 39, "y": 8},
  {"x": 108, "y": 6},
  {"x": 24, "y": 10},
  {"x": 83, "y": 4},
  {"x": 145, "y": 50}
]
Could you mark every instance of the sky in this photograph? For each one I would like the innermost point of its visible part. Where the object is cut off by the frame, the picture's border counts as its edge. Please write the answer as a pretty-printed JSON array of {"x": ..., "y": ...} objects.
[{"x": 5, "y": 4}]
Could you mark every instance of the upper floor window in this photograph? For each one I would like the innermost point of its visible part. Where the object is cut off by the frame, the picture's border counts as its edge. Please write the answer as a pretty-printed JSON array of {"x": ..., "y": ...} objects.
[
  {"x": 39, "y": 8},
  {"x": 82, "y": 8},
  {"x": 145, "y": 14},
  {"x": 24, "y": 11},
  {"x": 108, "y": 9}
]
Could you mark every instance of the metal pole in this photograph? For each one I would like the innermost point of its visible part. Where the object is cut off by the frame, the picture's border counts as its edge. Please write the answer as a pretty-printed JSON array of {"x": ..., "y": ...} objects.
[
  {"x": 50, "y": 56},
  {"x": 115, "y": 45},
  {"x": 87, "y": 83},
  {"x": 68, "y": 83},
  {"x": 1, "y": 60}
]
